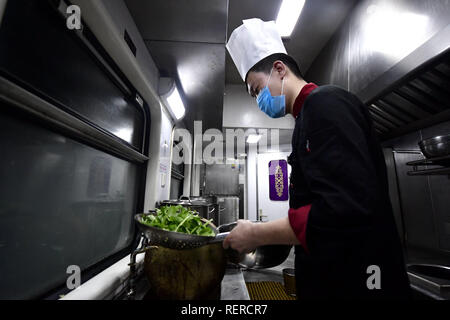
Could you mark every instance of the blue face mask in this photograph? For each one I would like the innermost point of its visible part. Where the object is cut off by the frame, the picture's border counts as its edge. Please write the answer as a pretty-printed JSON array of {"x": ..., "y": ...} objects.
[{"x": 274, "y": 107}]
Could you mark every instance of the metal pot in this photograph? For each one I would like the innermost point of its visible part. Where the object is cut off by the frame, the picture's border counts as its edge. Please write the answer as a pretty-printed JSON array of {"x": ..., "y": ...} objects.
[
  {"x": 204, "y": 208},
  {"x": 435, "y": 147},
  {"x": 263, "y": 257},
  {"x": 228, "y": 209},
  {"x": 289, "y": 281},
  {"x": 194, "y": 274}
]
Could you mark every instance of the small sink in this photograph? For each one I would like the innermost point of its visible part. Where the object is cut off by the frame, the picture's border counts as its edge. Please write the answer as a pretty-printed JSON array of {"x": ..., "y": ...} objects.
[{"x": 431, "y": 270}]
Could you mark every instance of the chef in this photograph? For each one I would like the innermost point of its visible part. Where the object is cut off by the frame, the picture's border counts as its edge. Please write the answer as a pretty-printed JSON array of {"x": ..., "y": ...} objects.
[{"x": 340, "y": 218}]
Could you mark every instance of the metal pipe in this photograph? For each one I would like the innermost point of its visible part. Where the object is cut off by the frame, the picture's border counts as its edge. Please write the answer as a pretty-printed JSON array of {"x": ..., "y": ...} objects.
[{"x": 131, "y": 293}]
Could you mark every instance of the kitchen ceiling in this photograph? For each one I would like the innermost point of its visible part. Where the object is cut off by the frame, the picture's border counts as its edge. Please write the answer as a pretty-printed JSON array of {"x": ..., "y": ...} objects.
[
  {"x": 319, "y": 20},
  {"x": 187, "y": 41}
]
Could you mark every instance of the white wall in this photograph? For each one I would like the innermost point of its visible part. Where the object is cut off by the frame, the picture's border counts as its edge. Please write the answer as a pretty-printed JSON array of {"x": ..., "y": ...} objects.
[
  {"x": 251, "y": 186},
  {"x": 272, "y": 210},
  {"x": 241, "y": 111},
  {"x": 253, "y": 170}
]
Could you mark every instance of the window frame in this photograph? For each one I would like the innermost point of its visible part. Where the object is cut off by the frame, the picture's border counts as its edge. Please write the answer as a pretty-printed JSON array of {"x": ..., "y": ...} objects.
[{"x": 11, "y": 92}]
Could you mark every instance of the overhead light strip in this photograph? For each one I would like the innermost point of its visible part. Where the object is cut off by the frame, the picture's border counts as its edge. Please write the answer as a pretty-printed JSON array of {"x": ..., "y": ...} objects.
[
  {"x": 176, "y": 105},
  {"x": 288, "y": 15}
]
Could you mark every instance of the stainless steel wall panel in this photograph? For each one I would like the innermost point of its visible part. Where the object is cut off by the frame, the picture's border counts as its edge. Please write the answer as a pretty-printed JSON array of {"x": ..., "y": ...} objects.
[
  {"x": 440, "y": 196},
  {"x": 377, "y": 48},
  {"x": 417, "y": 205},
  {"x": 427, "y": 200},
  {"x": 176, "y": 188},
  {"x": 394, "y": 191},
  {"x": 362, "y": 61},
  {"x": 406, "y": 142},
  {"x": 332, "y": 64},
  {"x": 221, "y": 179},
  {"x": 228, "y": 209},
  {"x": 174, "y": 20},
  {"x": 371, "y": 56},
  {"x": 440, "y": 192}
]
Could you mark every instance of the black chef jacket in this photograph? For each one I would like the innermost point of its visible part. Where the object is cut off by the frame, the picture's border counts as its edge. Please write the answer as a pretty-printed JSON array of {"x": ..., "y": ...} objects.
[{"x": 338, "y": 167}]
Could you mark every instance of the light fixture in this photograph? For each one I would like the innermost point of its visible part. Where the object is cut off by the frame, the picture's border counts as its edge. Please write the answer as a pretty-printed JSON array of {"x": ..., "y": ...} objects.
[
  {"x": 288, "y": 15},
  {"x": 176, "y": 105},
  {"x": 253, "y": 138}
]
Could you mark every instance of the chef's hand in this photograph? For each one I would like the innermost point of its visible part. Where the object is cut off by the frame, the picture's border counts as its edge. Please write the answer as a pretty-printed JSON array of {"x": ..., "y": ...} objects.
[{"x": 242, "y": 238}]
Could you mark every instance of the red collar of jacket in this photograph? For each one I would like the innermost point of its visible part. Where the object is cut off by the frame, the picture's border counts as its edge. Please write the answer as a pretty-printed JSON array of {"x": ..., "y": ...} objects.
[{"x": 300, "y": 100}]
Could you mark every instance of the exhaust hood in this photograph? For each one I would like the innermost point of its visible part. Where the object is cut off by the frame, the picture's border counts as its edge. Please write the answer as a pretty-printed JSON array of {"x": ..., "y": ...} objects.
[{"x": 415, "y": 101}]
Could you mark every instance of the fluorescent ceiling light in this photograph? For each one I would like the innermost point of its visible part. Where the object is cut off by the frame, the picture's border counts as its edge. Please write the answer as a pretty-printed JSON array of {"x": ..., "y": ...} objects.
[
  {"x": 253, "y": 138},
  {"x": 176, "y": 105},
  {"x": 288, "y": 16}
]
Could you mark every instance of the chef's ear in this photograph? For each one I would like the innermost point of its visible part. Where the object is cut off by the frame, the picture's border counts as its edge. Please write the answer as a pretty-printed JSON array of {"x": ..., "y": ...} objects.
[{"x": 280, "y": 68}]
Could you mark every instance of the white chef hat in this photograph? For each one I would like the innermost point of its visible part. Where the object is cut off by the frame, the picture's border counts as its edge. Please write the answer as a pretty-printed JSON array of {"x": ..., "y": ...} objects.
[{"x": 252, "y": 42}]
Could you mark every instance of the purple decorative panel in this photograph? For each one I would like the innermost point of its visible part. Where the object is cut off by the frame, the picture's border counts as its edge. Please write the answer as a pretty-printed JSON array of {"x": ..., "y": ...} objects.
[{"x": 278, "y": 180}]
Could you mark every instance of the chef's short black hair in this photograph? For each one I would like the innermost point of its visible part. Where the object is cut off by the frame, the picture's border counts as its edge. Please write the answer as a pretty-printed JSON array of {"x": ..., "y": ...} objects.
[{"x": 266, "y": 64}]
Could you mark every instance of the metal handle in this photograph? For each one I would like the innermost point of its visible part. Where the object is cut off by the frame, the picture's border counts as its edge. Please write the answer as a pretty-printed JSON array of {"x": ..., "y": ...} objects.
[
  {"x": 220, "y": 237},
  {"x": 261, "y": 216},
  {"x": 228, "y": 225}
]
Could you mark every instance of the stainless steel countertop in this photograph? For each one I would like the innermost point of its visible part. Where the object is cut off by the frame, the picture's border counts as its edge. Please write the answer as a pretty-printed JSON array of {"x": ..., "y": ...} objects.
[{"x": 233, "y": 285}]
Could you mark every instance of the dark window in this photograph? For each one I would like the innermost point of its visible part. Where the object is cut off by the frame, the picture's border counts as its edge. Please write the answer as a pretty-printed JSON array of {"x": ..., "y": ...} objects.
[
  {"x": 61, "y": 203},
  {"x": 40, "y": 52}
]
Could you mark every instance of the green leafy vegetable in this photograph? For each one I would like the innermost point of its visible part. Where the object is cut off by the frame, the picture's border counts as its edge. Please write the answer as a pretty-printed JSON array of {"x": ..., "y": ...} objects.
[{"x": 179, "y": 219}]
